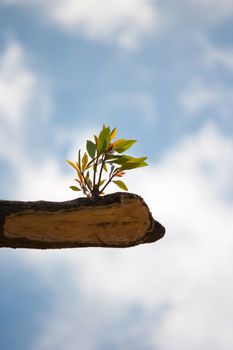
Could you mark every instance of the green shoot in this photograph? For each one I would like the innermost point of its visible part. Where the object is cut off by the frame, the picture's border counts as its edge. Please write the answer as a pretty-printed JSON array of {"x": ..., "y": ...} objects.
[{"x": 103, "y": 162}]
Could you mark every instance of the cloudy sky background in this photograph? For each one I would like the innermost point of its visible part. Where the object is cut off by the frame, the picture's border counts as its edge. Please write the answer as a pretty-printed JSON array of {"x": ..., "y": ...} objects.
[{"x": 162, "y": 72}]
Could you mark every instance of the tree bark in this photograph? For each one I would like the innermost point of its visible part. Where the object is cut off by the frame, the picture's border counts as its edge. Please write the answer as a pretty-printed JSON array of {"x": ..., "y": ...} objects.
[{"x": 117, "y": 220}]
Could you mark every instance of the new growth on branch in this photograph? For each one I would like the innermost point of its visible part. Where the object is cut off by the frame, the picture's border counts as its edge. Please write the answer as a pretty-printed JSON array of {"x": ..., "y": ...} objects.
[{"x": 103, "y": 162}]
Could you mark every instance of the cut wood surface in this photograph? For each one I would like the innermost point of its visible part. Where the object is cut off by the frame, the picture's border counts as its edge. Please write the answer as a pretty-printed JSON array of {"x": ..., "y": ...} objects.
[{"x": 117, "y": 220}]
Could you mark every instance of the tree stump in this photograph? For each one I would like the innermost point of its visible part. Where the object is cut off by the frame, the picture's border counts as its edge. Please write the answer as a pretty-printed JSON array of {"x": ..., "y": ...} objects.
[{"x": 117, "y": 220}]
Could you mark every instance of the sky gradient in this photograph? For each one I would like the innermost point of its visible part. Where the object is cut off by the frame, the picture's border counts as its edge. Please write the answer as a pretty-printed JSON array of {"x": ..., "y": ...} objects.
[{"x": 162, "y": 73}]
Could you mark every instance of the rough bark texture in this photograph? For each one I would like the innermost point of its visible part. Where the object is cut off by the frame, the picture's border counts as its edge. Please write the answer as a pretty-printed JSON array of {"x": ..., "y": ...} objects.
[{"x": 117, "y": 220}]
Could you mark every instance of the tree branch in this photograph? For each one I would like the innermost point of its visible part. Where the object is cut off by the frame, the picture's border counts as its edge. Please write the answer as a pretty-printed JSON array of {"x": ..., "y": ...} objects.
[{"x": 115, "y": 220}]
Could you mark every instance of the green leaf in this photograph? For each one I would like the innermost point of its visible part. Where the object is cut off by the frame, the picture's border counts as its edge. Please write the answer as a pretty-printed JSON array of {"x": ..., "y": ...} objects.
[
  {"x": 142, "y": 164},
  {"x": 89, "y": 182},
  {"x": 121, "y": 184},
  {"x": 80, "y": 176},
  {"x": 75, "y": 188},
  {"x": 127, "y": 161},
  {"x": 84, "y": 161},
  {"x": 79, "y": 158},
  {"x": 111, "y": 156},
  {"x": 77, "y": 165},
  {"x": 84, "y": 190},
  {"x": 113, "y": 133},
  {"x": 91, "y": 148},
  {"x": 122, "y": 145},
  {"x": 101, "y": 152},
  {"x": 72, "y": 164},
  {"x": 96, "y": 139},
  {"x": 134, "y": 163},
  {"x": 118, "y": 142},
  {"x": 120, "y": 160},
  {"x": 112, "y": 170},
  {"x": 103, "y": 140},
  {"x": 107, "y": 136}
]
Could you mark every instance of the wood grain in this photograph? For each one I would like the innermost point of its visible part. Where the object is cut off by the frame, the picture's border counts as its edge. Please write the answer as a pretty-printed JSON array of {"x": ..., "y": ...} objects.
[{"x": 115, "y": 220}]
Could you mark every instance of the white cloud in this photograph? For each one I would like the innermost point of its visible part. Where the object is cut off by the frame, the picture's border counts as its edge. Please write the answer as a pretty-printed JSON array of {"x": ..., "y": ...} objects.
[
  {"x": 213, "y": 57},
  {"x": 200, "y": 95},
  {"x": 188, "y": 271},
  {"x": 212, "y": 10},
  {"x": 52, "y": 183},
  {"x": 16, "y": 85},
  {"x": 144, "y": 104},
  {"x": 198, "y": 14},
  {"x": 127, "y": 22},
  {"x": 23, "y": 97},
  {"x": 208, "y": 90},
  {"x": 197, "y": 97},
  {"x": 218, "y": 57},
  {"x": 122, "y": 21}
]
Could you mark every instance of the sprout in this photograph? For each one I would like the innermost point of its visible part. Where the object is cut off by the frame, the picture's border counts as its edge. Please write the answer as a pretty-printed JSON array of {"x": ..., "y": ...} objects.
[{"x": 104, "y": 156}]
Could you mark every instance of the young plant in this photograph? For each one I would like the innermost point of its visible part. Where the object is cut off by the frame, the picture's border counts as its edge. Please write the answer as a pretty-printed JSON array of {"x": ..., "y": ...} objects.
[{"x": 104, "y": 156}]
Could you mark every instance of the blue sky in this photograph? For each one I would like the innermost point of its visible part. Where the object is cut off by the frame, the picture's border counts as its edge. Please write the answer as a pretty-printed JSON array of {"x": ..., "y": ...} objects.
[{"x": 162, "y": 72}]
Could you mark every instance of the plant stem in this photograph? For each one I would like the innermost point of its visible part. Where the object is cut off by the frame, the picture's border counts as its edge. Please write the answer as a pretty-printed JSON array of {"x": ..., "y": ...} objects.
[
  {"x": 91, "y": 161},
  {"x": 101, "y": 169},
  {"x": 108, "y": 182},
  {"x": 95, "y": 191},
  {"x": 86, "y": 182}
]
